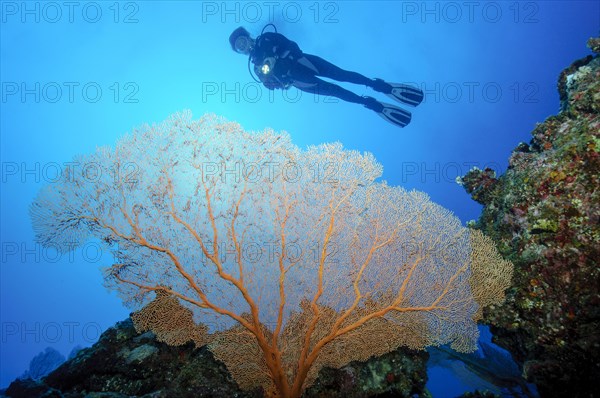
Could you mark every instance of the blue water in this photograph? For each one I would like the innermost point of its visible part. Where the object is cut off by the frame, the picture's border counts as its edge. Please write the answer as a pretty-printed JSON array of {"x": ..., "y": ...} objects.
[{"x": 79, "y": 75}]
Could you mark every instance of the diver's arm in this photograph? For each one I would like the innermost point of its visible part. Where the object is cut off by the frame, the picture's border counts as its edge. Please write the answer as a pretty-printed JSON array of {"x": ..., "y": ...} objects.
[
  {"x": 278, "y": 52},
  {"x": 271, "y": 82},
  {"x": 275, "y": 44}
]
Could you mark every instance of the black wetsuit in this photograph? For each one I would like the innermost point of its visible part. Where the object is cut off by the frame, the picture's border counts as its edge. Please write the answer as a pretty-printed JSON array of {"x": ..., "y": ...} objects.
[{"x": 294, "y": 68}]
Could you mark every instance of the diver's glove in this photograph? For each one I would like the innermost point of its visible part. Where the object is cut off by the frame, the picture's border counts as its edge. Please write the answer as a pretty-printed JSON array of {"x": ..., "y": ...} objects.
[{"x": 271, "y": 84}]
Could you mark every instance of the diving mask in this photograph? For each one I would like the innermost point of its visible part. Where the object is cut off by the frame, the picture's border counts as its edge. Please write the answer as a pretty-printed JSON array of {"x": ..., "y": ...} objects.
[{"x": 243, "y": 44}]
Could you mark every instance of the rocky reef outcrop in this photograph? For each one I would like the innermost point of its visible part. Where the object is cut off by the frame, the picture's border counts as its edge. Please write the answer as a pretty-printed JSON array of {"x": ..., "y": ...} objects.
[
  {"x": 544, "y": 214},
  {"x": 124, "y": 363}
]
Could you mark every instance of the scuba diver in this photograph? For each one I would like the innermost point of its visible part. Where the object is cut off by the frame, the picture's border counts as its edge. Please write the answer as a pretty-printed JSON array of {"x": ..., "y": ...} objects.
[{"x": 279, "y": 63}]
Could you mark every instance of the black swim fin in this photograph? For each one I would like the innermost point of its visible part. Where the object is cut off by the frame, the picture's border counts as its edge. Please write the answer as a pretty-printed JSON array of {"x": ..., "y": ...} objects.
[
  {"x": 406, "y": 94},
  {"x": 393, "y": 114},
  {"x": 402, "y": 93}
]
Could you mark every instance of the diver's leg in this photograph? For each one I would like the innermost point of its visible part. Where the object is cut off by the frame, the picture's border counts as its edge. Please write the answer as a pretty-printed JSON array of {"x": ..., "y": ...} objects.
[
  {"x": 403, "y": 93},
  {"x": 314, "y": 85},
  {"x": 327, "y": 69},
  {"x": 393, "y": 114}
]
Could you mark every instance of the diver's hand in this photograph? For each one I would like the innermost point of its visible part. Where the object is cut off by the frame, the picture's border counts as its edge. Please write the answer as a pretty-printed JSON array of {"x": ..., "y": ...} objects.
[
  {"x": 270, "y": 82},
  {"x": 271, "y": 85}
]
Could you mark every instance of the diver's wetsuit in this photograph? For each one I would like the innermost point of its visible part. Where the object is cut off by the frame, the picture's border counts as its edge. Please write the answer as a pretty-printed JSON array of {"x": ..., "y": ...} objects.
[{"x": 293, "y": 67}]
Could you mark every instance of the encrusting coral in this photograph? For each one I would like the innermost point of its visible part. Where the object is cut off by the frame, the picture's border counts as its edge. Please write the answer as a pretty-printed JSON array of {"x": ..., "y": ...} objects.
[{"x": 544, "y": 214}]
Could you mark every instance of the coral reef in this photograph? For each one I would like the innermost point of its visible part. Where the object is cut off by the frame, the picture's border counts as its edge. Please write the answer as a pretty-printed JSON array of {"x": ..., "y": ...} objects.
[
  {"x": 124, "y": 363},
  {"x": 407, "y": 274},
  {"x": 43, "y": 363},
  {"x": 544, "y": 214}
]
